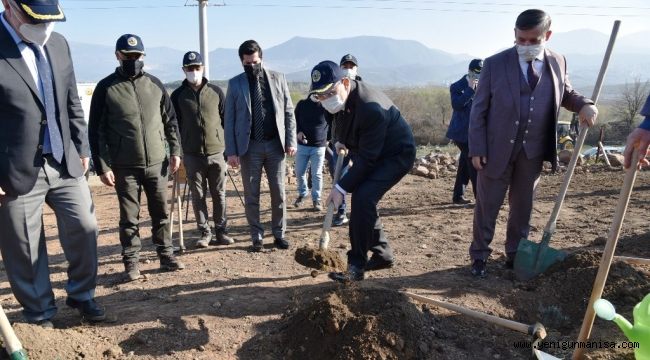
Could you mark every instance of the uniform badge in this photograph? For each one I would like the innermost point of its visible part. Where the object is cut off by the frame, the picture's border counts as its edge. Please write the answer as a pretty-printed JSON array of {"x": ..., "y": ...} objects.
[
  {"x": 132, "y": 41},
  {"x": 315, "y": 76},
  {"x": 192, "y": 56}
]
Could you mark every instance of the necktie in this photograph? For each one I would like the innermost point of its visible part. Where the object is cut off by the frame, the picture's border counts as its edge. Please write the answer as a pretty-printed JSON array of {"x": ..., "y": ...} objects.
[
  {"x": 52, "y": 142},
  {"x": 533, "y": 77},
  {"x": 257, "y": 109}
]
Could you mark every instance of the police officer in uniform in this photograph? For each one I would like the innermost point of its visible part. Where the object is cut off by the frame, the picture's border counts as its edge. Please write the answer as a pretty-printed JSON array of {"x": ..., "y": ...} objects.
[{"x": 381, "y": 143}]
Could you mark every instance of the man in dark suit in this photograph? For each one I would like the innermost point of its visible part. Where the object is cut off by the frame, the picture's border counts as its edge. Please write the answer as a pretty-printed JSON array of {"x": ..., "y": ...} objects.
[
  {"x": 512, "y": 131},
  {"x": 383, "y": 150},
  {"x": 260, "y": 129},
  {"x": 43, "y": 157},
  {"x": 462, "y": 93}
]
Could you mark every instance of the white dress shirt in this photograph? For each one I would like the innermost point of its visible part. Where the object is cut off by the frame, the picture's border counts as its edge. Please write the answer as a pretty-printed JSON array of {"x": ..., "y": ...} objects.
[
  {"x": 538, "y": 63},
  {"x": 27, "y": 54}
]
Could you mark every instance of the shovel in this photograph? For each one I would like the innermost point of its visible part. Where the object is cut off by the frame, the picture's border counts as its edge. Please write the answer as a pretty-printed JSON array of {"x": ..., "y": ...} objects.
[
  {"x": 12, "y": 344},
  {"x": 608, "y": 254},
  {"x": 533, "y": 258},
  {"x": 536, "y": 330},
  {"x": 327, "y": 224}
]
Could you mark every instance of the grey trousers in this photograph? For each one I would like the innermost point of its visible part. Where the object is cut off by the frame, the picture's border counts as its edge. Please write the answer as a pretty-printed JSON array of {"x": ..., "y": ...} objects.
[
  {"x": 267, "y": 156},
  {"x": 211, "y": 169},
  {"x": 22, "y": 240},
  {"x": 129, "y": 183},
  {"x": 520, "y": 178}
]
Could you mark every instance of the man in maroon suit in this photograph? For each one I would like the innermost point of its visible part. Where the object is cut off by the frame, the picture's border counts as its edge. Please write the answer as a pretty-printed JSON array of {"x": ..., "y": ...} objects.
[{"x": 512, "y": 131}]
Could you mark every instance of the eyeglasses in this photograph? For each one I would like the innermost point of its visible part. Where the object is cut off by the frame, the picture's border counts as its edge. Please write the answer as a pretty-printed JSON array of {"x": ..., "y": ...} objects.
[{"x": 323, "y": 96}]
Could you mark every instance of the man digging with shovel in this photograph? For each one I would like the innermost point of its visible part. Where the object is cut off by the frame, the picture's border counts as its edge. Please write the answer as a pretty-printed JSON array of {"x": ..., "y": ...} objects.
[
  {"x": 381, "y": 143},
  {"x": 512, "y": 131}
]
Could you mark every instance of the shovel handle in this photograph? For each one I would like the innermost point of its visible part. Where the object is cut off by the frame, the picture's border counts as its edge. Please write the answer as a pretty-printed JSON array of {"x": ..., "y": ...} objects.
[
  {"x": 536, "y": 329},
  {"x": 550, "y": 226},
  {"x": 608, "y": 253},
  {"x": 327, "y": 223}
]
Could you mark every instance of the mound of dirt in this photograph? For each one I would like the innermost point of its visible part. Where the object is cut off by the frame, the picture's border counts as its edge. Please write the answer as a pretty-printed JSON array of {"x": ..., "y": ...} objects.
[
  {"x": 320, "y": 259},
  {"x": 559, "y": 297},
  {"x": 358, "y": 323}
]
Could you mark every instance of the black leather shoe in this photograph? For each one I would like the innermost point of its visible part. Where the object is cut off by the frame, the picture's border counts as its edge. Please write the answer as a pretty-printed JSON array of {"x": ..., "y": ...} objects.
[
  {"x": 353, "y": 274},
  {"x": 377, "y": 263},
  {"x": 88, "y": 309},
  {"x": 257, "y": 246},
  {"x": 281, "y": 243},
  {"x": 462, "y": 201},
  {"x": 479, "y": 268}
]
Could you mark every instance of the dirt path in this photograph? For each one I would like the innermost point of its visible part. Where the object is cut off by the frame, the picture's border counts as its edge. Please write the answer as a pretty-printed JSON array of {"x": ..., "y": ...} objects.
[{"x": 229, "y": 303}]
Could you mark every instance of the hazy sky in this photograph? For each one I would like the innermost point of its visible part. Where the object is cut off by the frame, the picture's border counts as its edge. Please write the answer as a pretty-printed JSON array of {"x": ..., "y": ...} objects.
[{"x": 477, "y": 27}]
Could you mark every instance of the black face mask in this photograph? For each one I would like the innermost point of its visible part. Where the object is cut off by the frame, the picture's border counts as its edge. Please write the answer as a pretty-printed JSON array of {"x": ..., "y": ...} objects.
[
  {"x": 253, "y": 70},
  {"x": 132, "y": 68}
]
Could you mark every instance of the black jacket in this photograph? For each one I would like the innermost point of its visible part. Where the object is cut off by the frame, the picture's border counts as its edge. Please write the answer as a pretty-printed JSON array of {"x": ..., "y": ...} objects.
[{"x": 373, "y": 129}]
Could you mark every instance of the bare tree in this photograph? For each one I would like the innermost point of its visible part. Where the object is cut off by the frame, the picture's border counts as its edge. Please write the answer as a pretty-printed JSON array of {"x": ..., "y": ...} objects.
[{"x": 632, "y": 99}]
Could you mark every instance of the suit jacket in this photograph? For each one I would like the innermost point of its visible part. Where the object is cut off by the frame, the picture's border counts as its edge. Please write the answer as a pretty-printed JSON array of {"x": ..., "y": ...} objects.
[
  {"x": 23, "y": 120},
  {"x": 461, "y": 102},
  {"x": 495, "y": 109},
  {"x": 374, "y": 131},
  {"x": 238, "y": 113}
]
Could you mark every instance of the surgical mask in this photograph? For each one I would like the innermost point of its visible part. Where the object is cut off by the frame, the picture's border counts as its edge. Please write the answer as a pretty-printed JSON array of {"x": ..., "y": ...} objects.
[
  {"x": 333, "y": 104},
  {"x": 132, "y": 68},
  {"x": 530, "y": 52},
  {"x": 350, "y": 73},
  {"x": 253, "y": 70},
  {"x": 37, "y": 33},
  {"x": 473, "y": 76},
  {"x": 194, "y": 77}
]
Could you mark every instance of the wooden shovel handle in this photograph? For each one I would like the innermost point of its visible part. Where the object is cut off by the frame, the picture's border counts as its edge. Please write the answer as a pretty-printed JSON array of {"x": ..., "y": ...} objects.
[
  {"x": 608, "y": 254},
  {"x": 536, "y": 330},
  {"x": 550, "y": 226}
]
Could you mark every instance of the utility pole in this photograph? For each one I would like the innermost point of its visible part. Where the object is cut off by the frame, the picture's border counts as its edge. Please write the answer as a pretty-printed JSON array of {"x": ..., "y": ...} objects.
[{"x": 203, "y": 36}]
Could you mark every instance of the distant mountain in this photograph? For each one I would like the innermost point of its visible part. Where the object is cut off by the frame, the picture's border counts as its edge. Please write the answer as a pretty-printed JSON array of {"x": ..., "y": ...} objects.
[{"x": 383, "y": 61}]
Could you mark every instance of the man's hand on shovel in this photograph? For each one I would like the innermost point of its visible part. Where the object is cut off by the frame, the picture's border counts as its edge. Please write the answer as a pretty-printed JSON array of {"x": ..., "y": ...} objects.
[
  {"x": 638, "y": 140},
  {"x": 336, "y": 197},
  {"x": 588, "y": 115}
]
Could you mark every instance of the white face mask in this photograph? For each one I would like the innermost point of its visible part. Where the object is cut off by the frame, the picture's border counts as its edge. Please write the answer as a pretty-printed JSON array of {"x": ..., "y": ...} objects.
[
  {"x": 350, "y": 73},
  {"x": 530, "y": 52},
  {"x": 37, "y": 33},
  {"x": 333, "y": 104},
  {"x": 194, "y": 77}
]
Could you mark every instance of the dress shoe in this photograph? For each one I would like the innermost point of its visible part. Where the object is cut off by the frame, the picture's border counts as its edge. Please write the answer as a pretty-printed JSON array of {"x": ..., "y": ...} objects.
[
  {"x": 462, "y": 201},
  {"x": 170, "y": 263},
  {"x": 510, "y": 263},
  {"x": 88, "y": 309},
  {"x": 378, "y": 263},
  {"x": 257, "y": 246},
  {"x": 354, "y": 273},
  {"x": 281, "y": 243},
  {"x": 479, "y": 268}
]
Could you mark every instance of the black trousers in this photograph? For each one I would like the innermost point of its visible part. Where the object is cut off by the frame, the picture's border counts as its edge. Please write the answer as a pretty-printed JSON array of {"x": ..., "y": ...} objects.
[
  {"x": 465, "y": 173},
  {"x": 129, "y": 183},
  {"x": 366, "y": 229}
]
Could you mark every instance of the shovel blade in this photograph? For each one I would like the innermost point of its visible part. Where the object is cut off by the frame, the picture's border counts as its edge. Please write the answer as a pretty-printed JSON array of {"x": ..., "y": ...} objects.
[
  {"x": 540, "y": 355},
  {"x": 533, "y": 259}
]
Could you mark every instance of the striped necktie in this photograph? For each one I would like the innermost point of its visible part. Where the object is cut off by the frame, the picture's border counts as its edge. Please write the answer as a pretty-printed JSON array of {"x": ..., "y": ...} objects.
[
  {"x": 257, "y": 109},
  {"x": 52, "y": 142}
]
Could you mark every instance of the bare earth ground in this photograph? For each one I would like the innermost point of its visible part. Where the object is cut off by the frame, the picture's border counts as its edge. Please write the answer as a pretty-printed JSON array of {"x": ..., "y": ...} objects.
[{"x": 229, "y": 303}]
